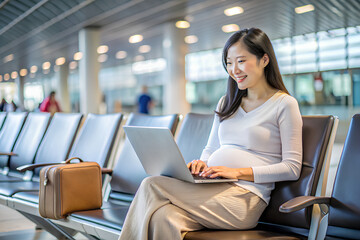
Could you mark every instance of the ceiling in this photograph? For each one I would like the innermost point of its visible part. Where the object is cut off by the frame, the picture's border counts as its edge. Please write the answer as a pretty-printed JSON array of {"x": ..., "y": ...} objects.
[{"x": 35, "y": 31}]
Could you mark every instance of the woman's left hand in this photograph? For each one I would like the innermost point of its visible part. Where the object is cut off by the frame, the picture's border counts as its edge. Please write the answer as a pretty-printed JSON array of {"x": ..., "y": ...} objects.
[{"x": 226, "y": 172}]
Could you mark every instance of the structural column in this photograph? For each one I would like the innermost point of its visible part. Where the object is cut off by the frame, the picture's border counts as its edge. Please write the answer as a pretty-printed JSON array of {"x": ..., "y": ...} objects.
[
  {"x": 20, "y": 81},
  {"x": 89, "y": 40},
  {"x": 62, "y": 88},
  {"x": 175, "y": 49}
]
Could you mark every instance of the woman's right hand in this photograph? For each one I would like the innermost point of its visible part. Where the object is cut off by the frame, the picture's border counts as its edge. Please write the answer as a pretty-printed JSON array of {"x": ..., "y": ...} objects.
[{"x": 196, "y": 166}]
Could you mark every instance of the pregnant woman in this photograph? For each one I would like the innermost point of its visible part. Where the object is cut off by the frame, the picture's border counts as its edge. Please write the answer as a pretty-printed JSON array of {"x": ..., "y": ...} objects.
[{"x": 256, "y": 137}]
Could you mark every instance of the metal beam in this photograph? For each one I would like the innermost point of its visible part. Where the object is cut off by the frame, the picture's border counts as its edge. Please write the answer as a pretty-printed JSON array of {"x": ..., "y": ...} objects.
[{"x": 22, "y": 16}]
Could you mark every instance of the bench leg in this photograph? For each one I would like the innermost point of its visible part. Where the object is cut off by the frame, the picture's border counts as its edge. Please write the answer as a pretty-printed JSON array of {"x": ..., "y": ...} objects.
[{"x": 52, "y": 228}]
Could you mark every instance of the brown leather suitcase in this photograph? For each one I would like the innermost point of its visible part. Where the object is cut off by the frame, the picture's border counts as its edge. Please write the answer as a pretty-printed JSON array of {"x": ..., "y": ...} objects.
[{"x": 69, "y": 187}]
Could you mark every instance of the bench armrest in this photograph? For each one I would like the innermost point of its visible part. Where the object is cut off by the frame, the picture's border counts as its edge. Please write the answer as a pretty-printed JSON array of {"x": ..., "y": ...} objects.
[
  {"x": 106, "y": 171},
  {"x": 30, "y": 167},
  {"x": 8, "y": 154},
  {"x": 299, "y": 203}
]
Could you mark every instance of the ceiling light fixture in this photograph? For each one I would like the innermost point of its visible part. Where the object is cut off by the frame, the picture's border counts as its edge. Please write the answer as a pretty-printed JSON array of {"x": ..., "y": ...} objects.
[
  {"x": 0, "y": 78},
  {"x": 191, "y": 39},
  {"x": 14, "y": 75},
  {"x": 73, "y": 65},
  {"x": 23, "y": 72},
  {"x": 102, "y": 49},
  {"x": 60, "y": 61},
  {"x": 304, "y": 9},
  {"x": 182, "y": 24},
  {"x": 121, "y": 55},
  {"x": 144, "y": 49},
  {"x": 230, "y": 28},
  {"x": 102, "y": 58},
  {"x": 33, "y": 69},
  {"x": 46, "y": 65},
  {"x": 136, "y": 38},
  {"x": 78, "y": 56},
  {"x": 139, "y": 58},
  {"x": 233, "y": 11},
  {"x": 9, "y": 58},
  {"x": 6, "y": 76}
]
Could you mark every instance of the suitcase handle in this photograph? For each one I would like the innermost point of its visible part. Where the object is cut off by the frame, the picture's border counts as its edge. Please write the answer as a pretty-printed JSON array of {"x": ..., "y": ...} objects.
[{"x": 69, "y": 160}]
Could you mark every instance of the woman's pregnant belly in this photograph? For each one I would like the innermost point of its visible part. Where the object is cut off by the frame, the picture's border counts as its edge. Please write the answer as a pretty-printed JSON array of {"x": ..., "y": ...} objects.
[{"x": 233, "y": 157}]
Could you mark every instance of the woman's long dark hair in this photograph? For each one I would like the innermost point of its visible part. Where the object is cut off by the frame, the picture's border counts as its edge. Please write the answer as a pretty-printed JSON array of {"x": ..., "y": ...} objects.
[{"x": 257, "y": 43}]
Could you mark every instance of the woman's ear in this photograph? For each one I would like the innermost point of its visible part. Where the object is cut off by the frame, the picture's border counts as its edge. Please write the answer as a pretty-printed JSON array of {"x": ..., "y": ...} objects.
[{"x": 265, "y": 60}]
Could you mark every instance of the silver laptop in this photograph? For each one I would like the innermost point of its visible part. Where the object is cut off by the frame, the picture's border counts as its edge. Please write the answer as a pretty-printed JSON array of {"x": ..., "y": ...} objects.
[{"x": 160, "y": 155}]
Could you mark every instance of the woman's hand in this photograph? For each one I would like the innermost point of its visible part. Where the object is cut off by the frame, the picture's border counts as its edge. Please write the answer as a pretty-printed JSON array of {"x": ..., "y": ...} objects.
[
  {"x": 226, "y": 172},
  {"x": 196, "y": 166}
]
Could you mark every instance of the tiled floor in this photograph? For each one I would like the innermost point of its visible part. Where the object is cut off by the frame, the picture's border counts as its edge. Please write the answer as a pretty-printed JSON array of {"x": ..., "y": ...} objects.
[{"x": 13, "y": 226}]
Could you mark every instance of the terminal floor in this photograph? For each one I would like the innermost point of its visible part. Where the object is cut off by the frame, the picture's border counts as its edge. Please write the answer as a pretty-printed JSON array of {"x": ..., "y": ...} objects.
[{"x": 13, "y": 226}]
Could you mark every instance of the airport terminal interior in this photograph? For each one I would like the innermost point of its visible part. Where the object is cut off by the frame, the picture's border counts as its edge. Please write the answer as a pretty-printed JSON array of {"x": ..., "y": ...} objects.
[{"x": 97, "y": 55}]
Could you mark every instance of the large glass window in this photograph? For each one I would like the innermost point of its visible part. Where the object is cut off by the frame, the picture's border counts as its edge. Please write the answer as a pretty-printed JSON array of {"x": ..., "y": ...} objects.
[
  {"x": 283, "y": 52},
  {"x": 33, "y": 95},
  {"x": 305, "y": 53},
  {"x": 204, "y": 66},
  {"x": 304, "y": 87},
  {"x": 356, "y": 87}
]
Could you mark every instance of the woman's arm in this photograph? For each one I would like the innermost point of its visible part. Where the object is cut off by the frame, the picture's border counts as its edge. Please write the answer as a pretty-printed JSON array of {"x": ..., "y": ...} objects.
[{"x": 290, "y": 127}]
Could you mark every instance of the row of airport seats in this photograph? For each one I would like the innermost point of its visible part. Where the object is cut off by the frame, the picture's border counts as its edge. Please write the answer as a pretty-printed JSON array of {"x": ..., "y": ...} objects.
[{"x": 127, "y": 173}]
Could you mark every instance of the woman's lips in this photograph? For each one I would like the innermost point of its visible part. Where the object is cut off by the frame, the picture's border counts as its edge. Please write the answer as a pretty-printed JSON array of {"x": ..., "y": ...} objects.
[{"x": 240, "y": 78}]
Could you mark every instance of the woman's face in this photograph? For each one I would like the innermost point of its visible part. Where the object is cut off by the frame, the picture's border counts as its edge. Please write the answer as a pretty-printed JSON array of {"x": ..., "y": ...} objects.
[{"x": 244, "y": 67}]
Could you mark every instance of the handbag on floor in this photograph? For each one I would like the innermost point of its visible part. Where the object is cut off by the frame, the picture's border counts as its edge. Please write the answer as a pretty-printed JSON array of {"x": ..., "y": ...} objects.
[{"x": 69, "y": 187}]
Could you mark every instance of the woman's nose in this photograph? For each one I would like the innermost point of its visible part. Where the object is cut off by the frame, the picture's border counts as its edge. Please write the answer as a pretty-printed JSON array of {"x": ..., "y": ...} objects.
[{"x": 236, "y": 69}]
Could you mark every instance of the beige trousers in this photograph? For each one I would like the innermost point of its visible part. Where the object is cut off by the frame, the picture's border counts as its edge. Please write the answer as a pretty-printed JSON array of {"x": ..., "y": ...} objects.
[{"x": 167, "y": 208}]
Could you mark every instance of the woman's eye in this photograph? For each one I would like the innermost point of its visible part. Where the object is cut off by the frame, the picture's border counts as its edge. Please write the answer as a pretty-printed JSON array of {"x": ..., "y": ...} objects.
[
  {"x": 241, "y": 61},
  {"x": 228, "y": 63}
]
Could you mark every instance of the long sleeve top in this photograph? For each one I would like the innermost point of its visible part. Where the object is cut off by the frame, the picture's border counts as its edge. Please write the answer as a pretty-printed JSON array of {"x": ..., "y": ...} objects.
[{"x": 268, "y": 139}]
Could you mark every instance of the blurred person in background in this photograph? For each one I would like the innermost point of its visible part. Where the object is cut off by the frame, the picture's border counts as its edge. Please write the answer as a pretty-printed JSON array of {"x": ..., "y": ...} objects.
[
  {"x": 144, "y": 101},
  {"x": 7, "y": 107},
  {"x": 50, "y": 104}
]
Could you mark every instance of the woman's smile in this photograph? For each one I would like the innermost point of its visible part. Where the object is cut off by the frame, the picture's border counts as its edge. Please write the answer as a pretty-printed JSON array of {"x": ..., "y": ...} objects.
[{"x": 240, "y": 79}]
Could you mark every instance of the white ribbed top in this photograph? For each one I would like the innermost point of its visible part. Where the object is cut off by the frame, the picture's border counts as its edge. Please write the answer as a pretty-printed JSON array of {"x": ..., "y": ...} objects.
[{"x": 268, "y": 139}]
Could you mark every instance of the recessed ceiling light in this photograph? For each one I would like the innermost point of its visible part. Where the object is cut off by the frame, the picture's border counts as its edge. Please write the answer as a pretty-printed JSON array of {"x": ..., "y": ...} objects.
[
  {"x": 6, "y": 76},
  {"x": 191, "y": 39},
  {"x": 139, "y": 58},
  {"x": 60, "y": 61},
  {"x": 121, "y": 55},
  {"x": 233, "y": 11},
  {"x": 136, "y": 38},
  {"x": 23, "y": 72},
  {"x": 73, "y": 65},
  {"x": 102, "y": 49},
  {"x": 14, "y": 75},
  {"x": 102, "y": 58},
  {"x": 182, "y": 24},
  {"x": 304, "y": 9},
  {"x": 230, "y": 28},
  {"x": 144, "y": 49},
  {"x": 9, "y": 58},
  {"x": 78, "y": 56},
  {"x": 46, "y": 65},
  {"x": 33, "y": 69},
  {"x": 0, "y": 78}
]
